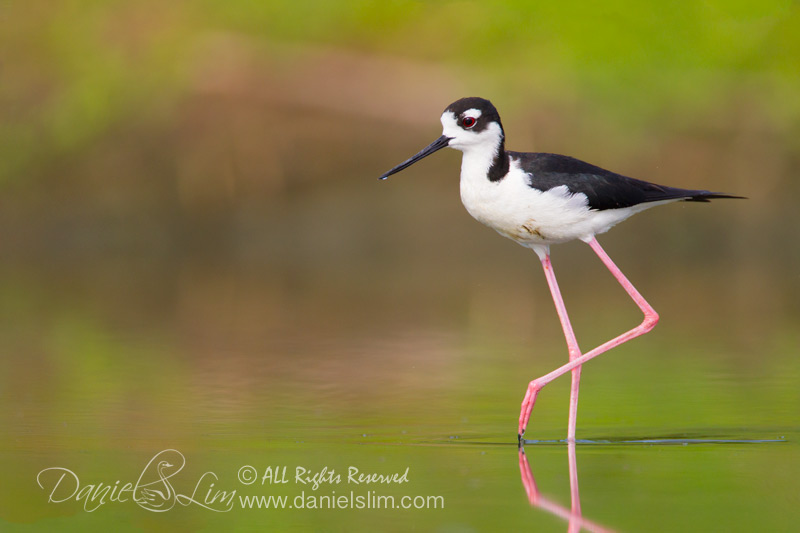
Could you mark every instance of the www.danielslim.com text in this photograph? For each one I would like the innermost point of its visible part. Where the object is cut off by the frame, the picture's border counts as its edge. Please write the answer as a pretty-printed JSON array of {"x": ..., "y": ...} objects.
[{"x": 351, "y": 500}]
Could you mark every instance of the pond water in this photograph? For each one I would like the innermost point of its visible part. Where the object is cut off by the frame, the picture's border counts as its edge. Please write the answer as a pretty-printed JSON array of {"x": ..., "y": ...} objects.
[{"x": 344, "y": 374}]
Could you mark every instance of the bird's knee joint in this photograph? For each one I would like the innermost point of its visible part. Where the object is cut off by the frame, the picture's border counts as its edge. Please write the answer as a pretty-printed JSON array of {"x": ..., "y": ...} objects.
[
  {"x": 650, "y": 321},
  {"x": 535, "y": 386}
]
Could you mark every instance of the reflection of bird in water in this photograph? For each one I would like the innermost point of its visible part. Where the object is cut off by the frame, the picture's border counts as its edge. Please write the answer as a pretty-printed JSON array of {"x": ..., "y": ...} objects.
[
  {"x": 158, "y": 498},
  {"x": 573, "y": 516},
  {"x": 540, "y": 199}
]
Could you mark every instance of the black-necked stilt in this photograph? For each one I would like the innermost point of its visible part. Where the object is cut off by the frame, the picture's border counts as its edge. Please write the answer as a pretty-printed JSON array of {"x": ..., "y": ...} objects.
[{"x": 539, "y": 199}]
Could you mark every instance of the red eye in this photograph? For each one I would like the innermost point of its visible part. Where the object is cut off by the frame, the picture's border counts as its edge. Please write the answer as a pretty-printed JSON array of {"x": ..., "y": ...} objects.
[{"x": 468, "y": 122}]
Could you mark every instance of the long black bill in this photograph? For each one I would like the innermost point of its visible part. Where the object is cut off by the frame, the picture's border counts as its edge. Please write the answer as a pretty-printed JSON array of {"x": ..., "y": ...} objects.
[{"x": 438, "y": 144}]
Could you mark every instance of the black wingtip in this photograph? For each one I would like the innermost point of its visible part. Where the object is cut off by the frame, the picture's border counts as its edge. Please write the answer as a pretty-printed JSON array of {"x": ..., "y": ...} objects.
[
  {"x": 706, "y": 196},
  {"x": 724, "y": 195}
]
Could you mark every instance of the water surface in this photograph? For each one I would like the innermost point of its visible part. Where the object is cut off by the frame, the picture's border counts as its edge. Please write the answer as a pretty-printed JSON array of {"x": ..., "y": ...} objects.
[{"x": 221, "y": 366}]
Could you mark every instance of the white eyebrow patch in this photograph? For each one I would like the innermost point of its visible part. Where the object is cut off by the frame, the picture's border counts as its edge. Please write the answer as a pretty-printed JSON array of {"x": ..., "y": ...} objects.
[
  {"x": 474, "y": 113},
  {"x": 448, "y": 120}
]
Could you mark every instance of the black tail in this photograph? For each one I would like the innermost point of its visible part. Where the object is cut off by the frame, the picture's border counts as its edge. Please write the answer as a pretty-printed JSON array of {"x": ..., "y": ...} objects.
[
  {"x": 656, "y": 193},
  {"x": 705, "y": 196}
]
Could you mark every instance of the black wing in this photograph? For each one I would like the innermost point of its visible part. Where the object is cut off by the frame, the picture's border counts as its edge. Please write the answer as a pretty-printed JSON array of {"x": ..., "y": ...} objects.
[{"x": 603, "y": 188}]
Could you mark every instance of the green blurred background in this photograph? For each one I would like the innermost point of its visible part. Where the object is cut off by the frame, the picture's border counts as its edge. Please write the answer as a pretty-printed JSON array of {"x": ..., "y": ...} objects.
[{"x": 195, "y": 254}]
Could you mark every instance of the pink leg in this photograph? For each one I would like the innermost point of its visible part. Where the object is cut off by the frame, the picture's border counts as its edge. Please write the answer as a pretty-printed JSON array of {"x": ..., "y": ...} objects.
[
  {"x": 572, "y": 344},
  {"x": 574, "y": 491},
  {"x": 650, "y": 320}
]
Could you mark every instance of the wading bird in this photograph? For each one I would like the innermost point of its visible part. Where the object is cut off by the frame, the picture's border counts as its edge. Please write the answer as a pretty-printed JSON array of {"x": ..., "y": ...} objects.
[{"x": 539, "y": 199}]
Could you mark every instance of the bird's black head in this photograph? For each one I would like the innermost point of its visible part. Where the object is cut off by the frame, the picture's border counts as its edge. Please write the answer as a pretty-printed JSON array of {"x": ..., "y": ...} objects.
[
  {"x": 470, "y": 124},
  {"x": 467, "y": 121}
]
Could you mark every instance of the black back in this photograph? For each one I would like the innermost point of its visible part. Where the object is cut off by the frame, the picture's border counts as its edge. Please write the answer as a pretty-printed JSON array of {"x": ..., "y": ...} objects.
[{"x": 603, "y": 188}]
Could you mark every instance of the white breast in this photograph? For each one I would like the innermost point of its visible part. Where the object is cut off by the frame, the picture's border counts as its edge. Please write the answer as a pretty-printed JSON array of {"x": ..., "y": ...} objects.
[{"x": 530, "y": 216}]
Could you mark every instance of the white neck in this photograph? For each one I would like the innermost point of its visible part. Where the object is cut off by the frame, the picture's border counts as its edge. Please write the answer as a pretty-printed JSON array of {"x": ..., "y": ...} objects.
[{"x": 478, "y": 159}]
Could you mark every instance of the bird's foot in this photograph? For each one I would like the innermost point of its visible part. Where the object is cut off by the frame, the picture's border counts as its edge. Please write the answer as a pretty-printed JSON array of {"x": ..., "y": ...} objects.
[{"x": 527, "y": 407}]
